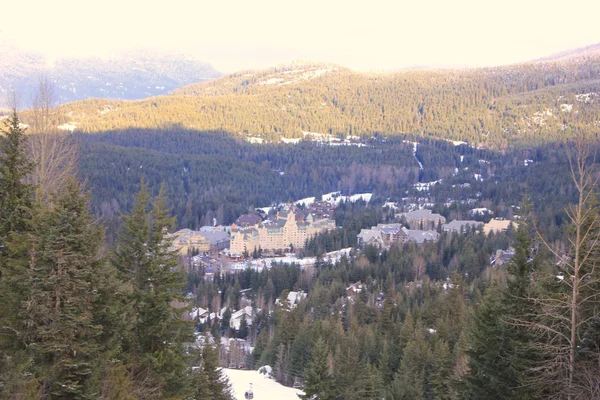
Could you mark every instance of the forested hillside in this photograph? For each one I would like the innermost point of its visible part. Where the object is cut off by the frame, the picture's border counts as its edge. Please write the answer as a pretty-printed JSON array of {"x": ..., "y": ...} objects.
[
  {"x": 217, "y": 175},
  {"x": 432, "y": 321},
  {"x": 498, "y": 107}
]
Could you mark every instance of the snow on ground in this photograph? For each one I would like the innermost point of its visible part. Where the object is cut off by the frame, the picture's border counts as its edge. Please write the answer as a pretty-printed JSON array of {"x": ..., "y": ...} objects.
[
  {"x": 336, "y": 197},
  {"x": 254, "y": 139},
  {"x": 307, "y": 201},
  {"x": 566, "y": 107},
  {"x": 291, "y": 141},
  {"x": 361, "y": 196},
  {"x": 69, "y": 126},
  {"x": 587, "y": 97},
  {"x": 261, "y": 263},
  {"x": 266, "y": 210},
  {"x": 457, "y": 142},
  {"x": 415, "y": 144},
  {"x": 264, "y": 388},
  {"x": 424, "y": 186}
]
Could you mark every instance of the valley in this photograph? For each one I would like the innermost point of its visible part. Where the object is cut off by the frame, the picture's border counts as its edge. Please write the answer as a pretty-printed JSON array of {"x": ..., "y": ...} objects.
[{"x": 312, "y": 230}]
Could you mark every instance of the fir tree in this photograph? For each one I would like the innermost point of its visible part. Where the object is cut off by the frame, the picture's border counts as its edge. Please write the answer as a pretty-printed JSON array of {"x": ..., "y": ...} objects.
[
  {"x": 146, "y": 259},
  {"x": 62, "y": 335},
  {"x": 208, "y": 380},
  {"x": 409, "y": 381},
  {"x": 499, "y": 350},
  {"x": 317, "y": 379},
  {"x": 15, "y": 216},
  {"x": 15, "y": 195}
]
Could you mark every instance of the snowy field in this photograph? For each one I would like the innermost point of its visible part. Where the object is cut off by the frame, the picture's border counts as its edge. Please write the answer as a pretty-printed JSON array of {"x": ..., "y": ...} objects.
[{"x": 263, "y": 388}]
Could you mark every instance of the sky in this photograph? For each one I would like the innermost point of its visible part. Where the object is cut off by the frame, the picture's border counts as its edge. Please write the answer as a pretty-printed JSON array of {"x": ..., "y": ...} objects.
[{"x": 365, "y": 35}]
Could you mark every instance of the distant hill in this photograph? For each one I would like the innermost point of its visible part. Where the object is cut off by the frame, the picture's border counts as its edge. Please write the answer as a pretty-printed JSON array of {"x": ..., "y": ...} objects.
[
  {"x": 573, "y": 53},
  {"x": 498, "y": 107},
  {"x": 131, "y": 76}
]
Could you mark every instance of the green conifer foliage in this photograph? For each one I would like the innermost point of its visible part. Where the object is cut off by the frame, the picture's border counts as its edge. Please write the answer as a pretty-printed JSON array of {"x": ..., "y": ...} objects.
[
  {"x": 15, "y": 214},
  {"x": 15, "y": 166},
  {"x": 499, "y": 348},
  {"x": 208, "y": 380},
  {"x": 146, "y": 259},
  {"x": 317, "y": 379},
  {"x": 62, "y": 336}
]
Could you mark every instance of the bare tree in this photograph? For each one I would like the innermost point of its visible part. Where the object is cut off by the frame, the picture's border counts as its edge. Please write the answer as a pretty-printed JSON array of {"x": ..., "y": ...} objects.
[
  {"x": 567, "y": 311},
  {"x": 56, "y": 153}
]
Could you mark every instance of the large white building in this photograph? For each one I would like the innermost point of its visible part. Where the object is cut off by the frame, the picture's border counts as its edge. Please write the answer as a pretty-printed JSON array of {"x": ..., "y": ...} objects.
[{"x": 289, "y": 230}]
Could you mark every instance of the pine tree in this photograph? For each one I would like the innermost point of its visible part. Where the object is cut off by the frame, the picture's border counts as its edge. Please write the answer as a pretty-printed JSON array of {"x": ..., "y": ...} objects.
[
  {"x": 145, "y": 258},
  {"x": 15, "y": 195},
  {"x": 208, "y": 380},
  {"x": 62, "y": 336},
  {"x": 409, "y": 381},
  {"x": 350, "y": 369},
  {"x": 499, "y": 350},
  {"x": 15, "y": 215},
  {"x": 441, "y": 371},
  {"x": 317, "y": 379}
]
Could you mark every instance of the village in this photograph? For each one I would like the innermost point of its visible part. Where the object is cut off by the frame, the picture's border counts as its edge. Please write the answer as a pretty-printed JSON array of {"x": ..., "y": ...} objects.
[{"x": 276, "y": 236}]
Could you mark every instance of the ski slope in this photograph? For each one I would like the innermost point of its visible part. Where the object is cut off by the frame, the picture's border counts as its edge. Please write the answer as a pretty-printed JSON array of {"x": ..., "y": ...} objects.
[{"x": 263, "y": 388}]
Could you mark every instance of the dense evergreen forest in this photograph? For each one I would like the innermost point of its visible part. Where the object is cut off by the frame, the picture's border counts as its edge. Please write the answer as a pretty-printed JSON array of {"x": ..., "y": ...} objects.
[
  {"x": 436, "y": 321},
  {"x": 500, "y": 108},
  {"x": 79, "y": 321},
  {"x": 215, "y": 175}
]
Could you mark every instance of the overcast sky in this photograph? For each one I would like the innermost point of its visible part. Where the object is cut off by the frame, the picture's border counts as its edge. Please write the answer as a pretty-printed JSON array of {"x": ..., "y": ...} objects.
[{"x": 364, "y": 35}]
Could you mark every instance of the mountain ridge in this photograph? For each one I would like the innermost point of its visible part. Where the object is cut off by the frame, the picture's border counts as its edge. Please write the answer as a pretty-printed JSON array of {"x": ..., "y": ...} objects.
[{"x": 131, "y": 75}]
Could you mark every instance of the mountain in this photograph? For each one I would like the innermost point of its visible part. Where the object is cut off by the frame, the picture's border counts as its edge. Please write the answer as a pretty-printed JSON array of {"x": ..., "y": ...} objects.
[
  {"x": 130, "y": 76},
  {"x": 574, "y": 53}
]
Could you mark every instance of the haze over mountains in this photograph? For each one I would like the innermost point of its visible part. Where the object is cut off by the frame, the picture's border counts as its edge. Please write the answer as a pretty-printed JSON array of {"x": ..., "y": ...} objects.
[{"x": 133, "y": 75}]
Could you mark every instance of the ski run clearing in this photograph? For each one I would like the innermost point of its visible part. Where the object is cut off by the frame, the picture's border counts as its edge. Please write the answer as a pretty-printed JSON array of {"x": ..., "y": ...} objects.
[{"x": 264, "y": 388}]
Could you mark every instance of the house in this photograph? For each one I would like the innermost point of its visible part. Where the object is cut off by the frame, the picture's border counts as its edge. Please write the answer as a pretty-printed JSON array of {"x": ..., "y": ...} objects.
[
  {"x": 247, "y": 220},
  {"x": 293, "y": 298},
  {"x": 370, "y": 237},
  {"x": 355, "y": 289},
  {"x": 421, "y": 237},
  {"x": 502, "y": 256},
  {"x": 386, "y": 235},
  {"x": 422, "y": 219},
  {"x": 246, "y": 313},
  {"x": 203, "y": 241},
  {"x": 200, "y": 314},
  {"x": 321, "y": 209},
  {"x": 499, "y": 225},
  {"x": 218, "y": 240},
  {"x": 461, "y": 226},
  {"x": 383, "y": 235},
  {"x": 187, "y": 240}
]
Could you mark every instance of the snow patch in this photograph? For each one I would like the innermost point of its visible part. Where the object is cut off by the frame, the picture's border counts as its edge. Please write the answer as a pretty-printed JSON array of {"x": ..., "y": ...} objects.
[
  {"x": 306, "y": 202},
  {"x": 425, "y": 186},
  {"x": 290, "y": 141},
  {"x": 254, "y": 139},
  {"x": 566, "y": 107},
  {"x": 457, "y": 142},
  {"x": 263, "y": 387},
  {"x": 587, "y": 97},
  {"x": 336, "y": 197},
  {"x": 69, "y": 126},
  {"x": 415, "y": 144}
]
